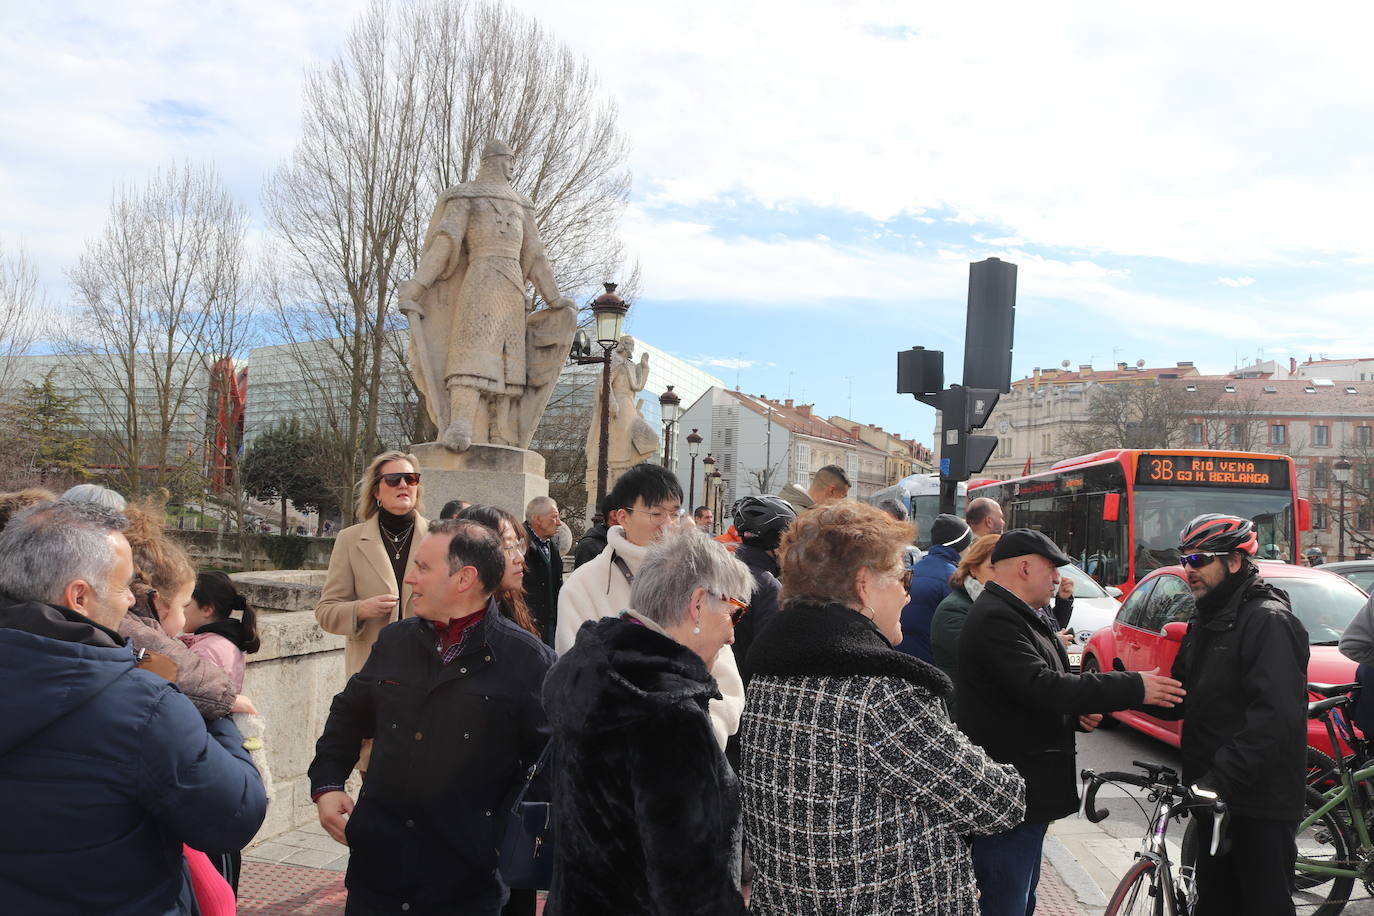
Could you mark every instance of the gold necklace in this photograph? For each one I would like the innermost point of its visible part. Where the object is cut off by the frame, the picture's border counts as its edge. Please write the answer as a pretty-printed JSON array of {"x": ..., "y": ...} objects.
[{"x": 398, "y": 541}]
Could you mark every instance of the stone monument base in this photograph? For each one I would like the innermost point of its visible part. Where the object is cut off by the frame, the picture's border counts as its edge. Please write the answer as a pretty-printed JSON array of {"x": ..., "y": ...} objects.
[{"x": 496, "y": 475}]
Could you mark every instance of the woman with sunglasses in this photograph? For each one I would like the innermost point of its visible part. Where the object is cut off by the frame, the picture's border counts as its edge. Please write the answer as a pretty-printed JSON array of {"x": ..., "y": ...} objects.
[
  {"x": 859, "y": 792},
  {"x": 647, "y": 808},
  {"x": 364, "y": 589}
]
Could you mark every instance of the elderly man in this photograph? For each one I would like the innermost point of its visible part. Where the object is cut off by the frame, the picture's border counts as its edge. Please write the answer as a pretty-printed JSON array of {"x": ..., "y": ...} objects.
[
  {"x": 107, "y": 770},
  {"x": 451, "y": 698},
  {"x": 984, "y": 516},
  {"x": 543, "y": 564},
  {"x": 1018, "y": 700},
  {"x": 649, "y": 502}
]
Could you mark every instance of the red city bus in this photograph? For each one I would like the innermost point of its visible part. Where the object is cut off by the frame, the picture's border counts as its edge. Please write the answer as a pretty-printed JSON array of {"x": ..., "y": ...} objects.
[{"x": 1118, "y": 512}]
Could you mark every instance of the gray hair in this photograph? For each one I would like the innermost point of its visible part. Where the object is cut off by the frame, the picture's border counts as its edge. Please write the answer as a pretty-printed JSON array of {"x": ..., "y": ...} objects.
[
  {"x": 52, "y": 544},
  {"x": 540, "y": 505},
  {"x": 682, "y": 562},
  {"x": 95, "y": 493}
]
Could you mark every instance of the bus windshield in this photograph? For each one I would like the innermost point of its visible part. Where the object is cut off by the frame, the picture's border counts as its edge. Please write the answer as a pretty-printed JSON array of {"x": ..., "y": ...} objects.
[{"x": 1161, "y": 513}]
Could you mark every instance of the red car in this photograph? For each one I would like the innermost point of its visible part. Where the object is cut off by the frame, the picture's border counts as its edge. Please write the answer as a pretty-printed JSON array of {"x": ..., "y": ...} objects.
[{"x": 1151, "y": 623}]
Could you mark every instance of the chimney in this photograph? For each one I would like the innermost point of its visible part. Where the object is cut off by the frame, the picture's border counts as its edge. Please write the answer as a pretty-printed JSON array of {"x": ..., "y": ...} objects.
[
  {"x": 1120, "y": 367},
  {"x": 1185, "y": 364},
  {"x": 787, "y": 403},
  {"x": 1085, "y": 369},
  {"x": 1292, "y": 365},
  {"x": 803, "y": 409},
  {"x": 854, "y": 432}
]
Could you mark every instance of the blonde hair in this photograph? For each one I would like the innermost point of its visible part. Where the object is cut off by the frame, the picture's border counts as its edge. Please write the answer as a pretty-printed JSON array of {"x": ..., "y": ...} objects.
[
  {"x": 372, "y": 479},
  {"x": 824, "y": 549},
  {"x": 978, "y": 553}
]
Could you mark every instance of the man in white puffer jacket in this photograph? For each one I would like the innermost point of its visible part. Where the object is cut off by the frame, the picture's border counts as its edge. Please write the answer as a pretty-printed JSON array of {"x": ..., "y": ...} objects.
[{"x": 645, "y": 502}]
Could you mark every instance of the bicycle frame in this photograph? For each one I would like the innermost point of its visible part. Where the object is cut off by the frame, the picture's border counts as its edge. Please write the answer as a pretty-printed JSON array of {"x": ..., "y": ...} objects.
[
  {"x": 1349, "y": 795},
  {"x": 1154, "y": 848}
]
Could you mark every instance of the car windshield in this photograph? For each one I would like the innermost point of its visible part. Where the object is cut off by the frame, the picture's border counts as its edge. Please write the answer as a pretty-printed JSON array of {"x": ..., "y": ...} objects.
[
  {"x": 1084, "y": 586},
  {"x": 1161, "y": 513},
  {"x": 1325, "y": 606}
]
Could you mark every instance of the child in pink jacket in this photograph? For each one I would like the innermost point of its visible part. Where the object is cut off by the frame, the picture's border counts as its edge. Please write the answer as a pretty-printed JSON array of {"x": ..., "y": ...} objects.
[{"x": 211, "y": 630}]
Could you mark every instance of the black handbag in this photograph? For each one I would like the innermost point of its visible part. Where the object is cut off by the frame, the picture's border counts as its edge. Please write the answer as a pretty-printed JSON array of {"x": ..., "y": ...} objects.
[{"x": 526, "y": 855}]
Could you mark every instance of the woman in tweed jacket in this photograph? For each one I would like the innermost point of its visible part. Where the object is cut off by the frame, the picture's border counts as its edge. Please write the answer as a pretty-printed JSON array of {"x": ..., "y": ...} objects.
[{"x": 859, "y": 793}]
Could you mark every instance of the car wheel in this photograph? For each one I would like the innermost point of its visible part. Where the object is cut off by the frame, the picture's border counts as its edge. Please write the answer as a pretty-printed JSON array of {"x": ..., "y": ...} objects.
[{"x": 1090, "y": 666}]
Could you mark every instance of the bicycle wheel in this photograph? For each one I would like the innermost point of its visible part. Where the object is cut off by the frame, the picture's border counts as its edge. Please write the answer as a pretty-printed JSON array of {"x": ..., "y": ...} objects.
[
  {"x": 1326, "y": 842},
  {"x": 1137, "y": 894},
  {"x": 1322, "y": 773}
]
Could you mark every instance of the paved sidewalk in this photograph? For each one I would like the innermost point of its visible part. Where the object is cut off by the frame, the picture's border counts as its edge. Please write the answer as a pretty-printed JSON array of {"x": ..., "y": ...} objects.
[{"x": 301, "y": 872}]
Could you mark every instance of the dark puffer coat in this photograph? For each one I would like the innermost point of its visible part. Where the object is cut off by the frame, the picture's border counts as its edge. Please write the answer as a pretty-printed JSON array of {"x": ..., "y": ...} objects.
[
  {"x": 645, "y": 804},
  {"x": 105, "y": 771}
]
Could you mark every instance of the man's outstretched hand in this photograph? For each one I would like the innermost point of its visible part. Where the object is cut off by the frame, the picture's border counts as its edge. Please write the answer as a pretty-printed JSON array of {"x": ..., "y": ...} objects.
[{"x": 1161, "y": 690}]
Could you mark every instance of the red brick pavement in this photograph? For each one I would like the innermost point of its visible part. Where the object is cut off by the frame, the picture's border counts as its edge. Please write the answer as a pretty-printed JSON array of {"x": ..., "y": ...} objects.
[{"x": 266, "y": 889}]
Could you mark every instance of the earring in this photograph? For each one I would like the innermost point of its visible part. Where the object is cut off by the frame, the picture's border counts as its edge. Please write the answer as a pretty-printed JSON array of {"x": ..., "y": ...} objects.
[{"x": 869, "y": 612}]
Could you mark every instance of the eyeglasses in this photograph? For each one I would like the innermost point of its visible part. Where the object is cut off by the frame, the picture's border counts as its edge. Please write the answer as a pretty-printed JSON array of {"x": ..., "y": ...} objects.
[
  {"x": 515, "y": 549},
  {"x": 1198, "y": 560},
  {"x": 904, "y": 577},
  {"x": 394, "y": 480},
  {"x": 660, "y": 515},
  {"x": 738, "y": 609}
]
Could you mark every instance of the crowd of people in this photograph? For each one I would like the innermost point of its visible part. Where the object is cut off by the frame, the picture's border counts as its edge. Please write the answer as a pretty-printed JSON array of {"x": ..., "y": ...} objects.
[{"x": 791, "y": 718}]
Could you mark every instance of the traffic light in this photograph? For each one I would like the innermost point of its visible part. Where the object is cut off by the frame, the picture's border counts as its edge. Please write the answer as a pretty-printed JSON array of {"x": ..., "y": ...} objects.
[
  {"x": 989, "y": 326},
  {"x": 963, "y": 454},
  {"x": 920, "y": 371}
]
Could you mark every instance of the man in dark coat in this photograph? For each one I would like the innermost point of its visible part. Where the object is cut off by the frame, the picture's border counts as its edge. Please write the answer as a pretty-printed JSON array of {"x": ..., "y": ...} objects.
[
  {"x": 1018, "y": 701},
  {"x": 593, "y": 540},
  {"x": 451, "y": 700},
  {"x": 105, "y": 768},
  {"x": 1244, "y": 663},
  {"x": 949, "y": 536},
  {"x": 543, "y": 565}
]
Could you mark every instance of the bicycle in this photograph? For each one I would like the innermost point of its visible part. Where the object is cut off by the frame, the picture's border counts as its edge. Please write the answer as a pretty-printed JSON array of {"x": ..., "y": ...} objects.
[{"x": 1150, "y": 885}]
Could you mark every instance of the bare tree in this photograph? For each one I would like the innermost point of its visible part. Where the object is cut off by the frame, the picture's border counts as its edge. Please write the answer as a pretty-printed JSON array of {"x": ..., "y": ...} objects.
[
  {"x": 154, "y": 289},
  {"x": 399, "y": 116},
  {"x": 21, "y": 301},
  {"x": 1136, "y": 414}
]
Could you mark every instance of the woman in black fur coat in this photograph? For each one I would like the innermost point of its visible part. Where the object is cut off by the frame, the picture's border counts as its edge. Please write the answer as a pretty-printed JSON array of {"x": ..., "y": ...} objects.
[{"x": 647, "y": 808}]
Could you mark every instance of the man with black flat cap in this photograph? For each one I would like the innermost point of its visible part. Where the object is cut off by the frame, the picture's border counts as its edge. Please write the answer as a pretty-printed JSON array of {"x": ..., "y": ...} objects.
[{"x": 1019, "y": 701}]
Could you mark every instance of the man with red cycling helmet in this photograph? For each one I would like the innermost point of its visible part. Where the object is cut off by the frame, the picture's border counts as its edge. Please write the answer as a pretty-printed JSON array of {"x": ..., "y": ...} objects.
[{"x": 1243, "y": 663}]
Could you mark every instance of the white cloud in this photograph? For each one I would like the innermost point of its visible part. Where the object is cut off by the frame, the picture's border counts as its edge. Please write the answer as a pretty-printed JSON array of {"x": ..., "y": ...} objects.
[
  {"x": 1235, "y": 281},
  {"x": 726, "y": 362}
]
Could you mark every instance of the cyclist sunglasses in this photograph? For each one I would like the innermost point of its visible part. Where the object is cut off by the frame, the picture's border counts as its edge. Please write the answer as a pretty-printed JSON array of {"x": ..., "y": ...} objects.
[
  {"x": 1198, "y": 560},
  {"x": 394, "y": 480},
  {"x": 737, "y": 609}
]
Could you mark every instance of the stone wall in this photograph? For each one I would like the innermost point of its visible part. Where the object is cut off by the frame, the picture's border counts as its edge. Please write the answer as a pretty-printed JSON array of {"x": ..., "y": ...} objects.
[
  {"x": 220, "y": 550},
  {"x": 291, "y": 680}
]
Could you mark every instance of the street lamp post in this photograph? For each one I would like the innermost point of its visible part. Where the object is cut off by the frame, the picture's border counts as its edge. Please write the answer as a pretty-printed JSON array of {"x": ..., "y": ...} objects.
[
  {"x": 1341, "y": 470},
  {"x": 717, "y": 492},
  {"x": 670, "y": 406},
  {"x": 609, "y": 311},
  {"x": 693, "y": 449},
  {"x": 708, "y": 467}
]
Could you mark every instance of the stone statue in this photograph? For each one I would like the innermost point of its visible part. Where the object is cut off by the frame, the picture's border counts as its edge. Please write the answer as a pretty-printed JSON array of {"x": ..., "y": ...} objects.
[
  {"x": 631, "y": 439},
  {"x": 483, "y": 358}
]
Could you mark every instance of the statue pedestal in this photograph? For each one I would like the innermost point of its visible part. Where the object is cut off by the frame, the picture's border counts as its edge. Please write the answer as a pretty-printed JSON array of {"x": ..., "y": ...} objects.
[{"x": 495, "y": 475}]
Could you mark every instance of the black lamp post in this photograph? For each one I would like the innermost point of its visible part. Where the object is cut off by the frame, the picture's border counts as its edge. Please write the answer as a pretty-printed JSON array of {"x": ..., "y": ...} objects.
[
  {"x": 717, "y": 495},
  {"x": 693, "y": 449},
  {"x": 708, "y": 467},
  {"x": 609, "y": 311},
  {"x": 1341, "y": 471},
  {"x": 670, "y": 406}
]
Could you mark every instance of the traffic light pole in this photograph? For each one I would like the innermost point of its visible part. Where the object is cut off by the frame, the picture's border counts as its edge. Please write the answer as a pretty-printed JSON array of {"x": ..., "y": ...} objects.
[{"x": 964, "y": 408}]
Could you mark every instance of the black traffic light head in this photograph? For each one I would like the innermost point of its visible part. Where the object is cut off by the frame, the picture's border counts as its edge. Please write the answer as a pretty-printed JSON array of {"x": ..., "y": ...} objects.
[
  {"x": 920, "y": 371},
  {"x": 991, "y": 321}
]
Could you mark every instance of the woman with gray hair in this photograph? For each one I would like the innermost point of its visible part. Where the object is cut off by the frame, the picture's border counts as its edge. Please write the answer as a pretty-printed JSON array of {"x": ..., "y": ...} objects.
[{"x": 646, "y": 804}]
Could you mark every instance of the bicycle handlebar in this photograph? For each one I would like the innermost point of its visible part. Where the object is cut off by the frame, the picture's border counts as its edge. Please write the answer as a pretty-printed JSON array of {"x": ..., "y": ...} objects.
[{"x": 1159, "y": 779}]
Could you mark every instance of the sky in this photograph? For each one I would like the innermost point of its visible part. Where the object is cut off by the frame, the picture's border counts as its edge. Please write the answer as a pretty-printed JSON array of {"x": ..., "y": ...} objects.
[{"x": 812, "y": 179}]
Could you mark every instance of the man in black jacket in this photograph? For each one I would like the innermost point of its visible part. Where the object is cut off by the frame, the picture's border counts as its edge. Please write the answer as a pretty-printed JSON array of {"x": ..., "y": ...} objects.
[
  {"x": 1018, "y": 700},
  {"x": 451, "y": 699},
  {"x": 1244, "y": 663},
  {"x": 543, "y": 564}
]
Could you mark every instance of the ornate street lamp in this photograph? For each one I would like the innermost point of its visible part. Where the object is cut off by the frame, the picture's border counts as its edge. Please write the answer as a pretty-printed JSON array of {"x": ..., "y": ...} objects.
[
  {"x": 1341, "y": 471},
  {"x": 717, "y": 490},
  {"x": 609, "y": 311},
  {"x": 670, "y": 407},
  {"x": 708, "y": 467},
  {"x": 693, "y": 449}
]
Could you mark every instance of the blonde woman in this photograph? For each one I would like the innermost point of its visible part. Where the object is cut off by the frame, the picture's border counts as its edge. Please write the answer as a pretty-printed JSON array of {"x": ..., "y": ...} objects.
[{"x": 364, "y": 590}]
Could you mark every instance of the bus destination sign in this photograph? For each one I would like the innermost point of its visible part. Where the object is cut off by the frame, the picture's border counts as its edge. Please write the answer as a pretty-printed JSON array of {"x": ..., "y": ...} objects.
[{"x": 1206, "y": 471}]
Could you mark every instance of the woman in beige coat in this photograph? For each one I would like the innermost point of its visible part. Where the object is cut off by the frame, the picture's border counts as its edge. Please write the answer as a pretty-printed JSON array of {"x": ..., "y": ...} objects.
[{"x": 365, "y": 589}]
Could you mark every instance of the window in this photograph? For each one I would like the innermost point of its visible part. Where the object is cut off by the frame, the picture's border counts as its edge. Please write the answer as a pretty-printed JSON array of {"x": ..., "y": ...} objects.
[
  {"x": 1194, "y": 433},
  {"x": 1321, "y": 435},
  {"x": 803, "y": 457},
  {"x": 1236, "y": 434},
  {"x": 1319, "y": 515},
  {"x": 1278, "y": 434},
  {"x": 1362, "y": 436},
  {"x": 1362, "y": 518},
  {"x": 1135, "y": 611},
  {"x": 1172, "y": 601},
  {"x": 1321, "y": 475},
  {"x": 1362, "y": 477}
]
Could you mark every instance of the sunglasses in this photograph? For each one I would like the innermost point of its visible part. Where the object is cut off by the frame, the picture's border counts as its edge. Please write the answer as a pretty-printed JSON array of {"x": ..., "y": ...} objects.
[
  {"x": 394, "y": 480},
  {"x": 1198, "y": 560},
  {"x": 738, "y": 609}
]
